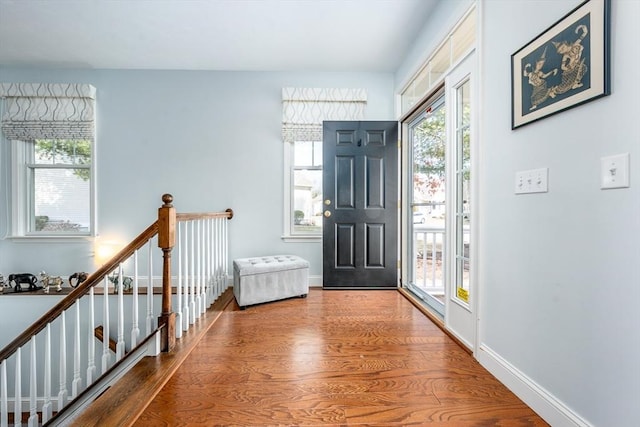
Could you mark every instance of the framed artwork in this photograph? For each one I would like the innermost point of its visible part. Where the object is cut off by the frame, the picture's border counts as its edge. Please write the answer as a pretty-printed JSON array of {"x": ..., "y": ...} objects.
[{"x": 565, "y": 66}]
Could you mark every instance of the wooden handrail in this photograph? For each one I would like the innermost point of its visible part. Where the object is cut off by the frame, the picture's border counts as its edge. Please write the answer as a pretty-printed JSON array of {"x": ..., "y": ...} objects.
[
  {"x": 97, "y": 276},
  {"x": 82, "y": 289},
  {"x": 166, "y": 230},
  {"x": 207, "y": 215}
]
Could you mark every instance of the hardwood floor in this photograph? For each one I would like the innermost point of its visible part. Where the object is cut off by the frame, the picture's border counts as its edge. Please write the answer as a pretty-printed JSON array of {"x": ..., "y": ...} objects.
[{"x": 335, "y": 358}]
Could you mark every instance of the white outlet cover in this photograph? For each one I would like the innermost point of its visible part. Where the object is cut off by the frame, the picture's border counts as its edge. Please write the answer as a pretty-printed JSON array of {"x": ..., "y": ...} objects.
[{"x": 614, "y": 171}]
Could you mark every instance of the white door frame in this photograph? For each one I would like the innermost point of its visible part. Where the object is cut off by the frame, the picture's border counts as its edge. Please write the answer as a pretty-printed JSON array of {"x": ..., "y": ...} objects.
[{"x": 461, "y": 318}]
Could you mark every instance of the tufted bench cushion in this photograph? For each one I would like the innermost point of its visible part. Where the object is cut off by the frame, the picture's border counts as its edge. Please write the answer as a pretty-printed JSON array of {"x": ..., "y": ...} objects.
[{"x": 269, "y": 278}]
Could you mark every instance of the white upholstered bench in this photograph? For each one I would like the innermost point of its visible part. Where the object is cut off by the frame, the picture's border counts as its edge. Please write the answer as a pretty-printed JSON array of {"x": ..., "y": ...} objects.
[{"x": 270, "y": 278}]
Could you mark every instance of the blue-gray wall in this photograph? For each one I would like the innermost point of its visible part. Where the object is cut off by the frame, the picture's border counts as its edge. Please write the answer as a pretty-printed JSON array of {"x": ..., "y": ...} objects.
[
  {"x": 560, "y": 278},
  {"x": 212, "y": 139},
  {"x": 559, "y": 272}
]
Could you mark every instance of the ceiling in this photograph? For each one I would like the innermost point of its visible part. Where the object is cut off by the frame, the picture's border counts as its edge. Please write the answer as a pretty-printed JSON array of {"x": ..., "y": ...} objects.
[{"x": 253, "y": 35}]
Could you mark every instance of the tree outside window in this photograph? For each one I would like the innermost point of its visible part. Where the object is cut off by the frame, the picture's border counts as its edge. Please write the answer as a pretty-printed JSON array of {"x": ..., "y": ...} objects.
[{"x": 59, "y": 175}]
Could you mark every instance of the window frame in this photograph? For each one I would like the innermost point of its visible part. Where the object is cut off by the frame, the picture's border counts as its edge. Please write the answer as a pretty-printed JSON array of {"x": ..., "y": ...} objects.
[
  {"x": 290, "y": 235},
  {"x": 23, "y": 192}
]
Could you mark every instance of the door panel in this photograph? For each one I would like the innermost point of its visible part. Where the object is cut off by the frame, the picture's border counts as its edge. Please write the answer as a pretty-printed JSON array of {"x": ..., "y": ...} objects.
[
  {"x": 374, "y": 182},
  {"x": 374, "y": 245},
  {"x": 345, "y": 252},
  {"x": 361, "y": 194},
  {"x": 345, "y": 182}
]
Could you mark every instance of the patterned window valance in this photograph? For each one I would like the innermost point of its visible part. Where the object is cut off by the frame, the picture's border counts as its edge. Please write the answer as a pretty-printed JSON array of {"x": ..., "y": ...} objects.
[
  {"x": 304, "y": 109},
  {"x": 48, "y": 111}
]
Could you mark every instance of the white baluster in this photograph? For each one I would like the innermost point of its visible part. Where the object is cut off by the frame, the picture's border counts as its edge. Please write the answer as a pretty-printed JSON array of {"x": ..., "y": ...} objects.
[
  {"x": 150, "y": 290},
  {"x": 47, "y": 407},
  {"x": 218, "y": 256},
  {"x": 215, "y": 257},
  {"x": 17, "y": 404},
  {"x": 225, "y": 250},
  {"x": 106, "y": 356},
  {"x": 205, "y": 276},
  {"x": 62, "y": 393},
  {"x": 214, "y": 282},
  {"x": 193, "y": 274},
  {"x": 185, "y": 307},
  {"x": 221, "y": 252},
  {"x": 91, "y": 347},
  {"x": 202, "y": 259},
  {"x": 198, "y": 255},
  {"x": 433, "y": 259},
  {"x": 135, "y": 328},
  {"x": 120, "y": 341},
  {"x": 4, "y": 402},
  {"x": 33, "y": 386},
  {"x": 76, "y": 384},
  {"x": 179, "y": 290},
  {"x": 210, "y": 282}
]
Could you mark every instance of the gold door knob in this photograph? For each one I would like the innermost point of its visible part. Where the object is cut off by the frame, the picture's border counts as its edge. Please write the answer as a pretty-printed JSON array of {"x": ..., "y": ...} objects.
[
  {"x": 327, "y": 202},
  {"x": 327, "y": 214}
]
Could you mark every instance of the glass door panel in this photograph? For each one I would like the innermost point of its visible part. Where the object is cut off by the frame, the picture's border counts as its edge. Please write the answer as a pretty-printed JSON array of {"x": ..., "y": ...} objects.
[
  {"x": 427, "y": 135},
  {"x": 463, "y": 194},
  {"x": 460, "y": 316}
]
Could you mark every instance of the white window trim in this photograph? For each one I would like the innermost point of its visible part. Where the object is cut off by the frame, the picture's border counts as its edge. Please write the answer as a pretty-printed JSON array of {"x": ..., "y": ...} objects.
[
  {"x": 20, "y": 209},
  {"x": 288, "y": 235}
]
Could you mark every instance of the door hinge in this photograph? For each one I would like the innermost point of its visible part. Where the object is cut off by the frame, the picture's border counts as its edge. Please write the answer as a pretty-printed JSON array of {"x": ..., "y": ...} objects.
[
  {"x": 398, "y": 265},
  {"x": 399, "y": 143}
]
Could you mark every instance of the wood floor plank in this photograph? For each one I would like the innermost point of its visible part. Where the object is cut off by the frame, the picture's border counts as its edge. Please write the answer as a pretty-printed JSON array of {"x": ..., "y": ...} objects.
[{"x": 336, "y": 358}]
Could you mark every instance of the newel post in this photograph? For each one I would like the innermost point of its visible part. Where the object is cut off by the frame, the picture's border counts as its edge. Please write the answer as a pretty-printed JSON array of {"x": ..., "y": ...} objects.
[{"x": 166, "y": 242}]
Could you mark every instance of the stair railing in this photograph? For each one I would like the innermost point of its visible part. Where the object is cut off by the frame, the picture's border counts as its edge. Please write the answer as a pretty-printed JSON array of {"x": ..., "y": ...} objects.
[{"x": 28, "y": 361}]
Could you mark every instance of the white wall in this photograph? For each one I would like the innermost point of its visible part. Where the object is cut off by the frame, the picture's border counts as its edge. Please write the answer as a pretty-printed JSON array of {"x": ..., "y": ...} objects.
[
  {"x": 560, "y": 271},
  {"x": 212, "y": 139}
]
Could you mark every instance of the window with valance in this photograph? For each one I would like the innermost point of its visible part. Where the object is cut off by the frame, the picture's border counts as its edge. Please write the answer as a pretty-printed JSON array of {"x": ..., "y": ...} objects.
[
  {"x": 303, "y": 111},
  {"x": 51, "y": 129}
]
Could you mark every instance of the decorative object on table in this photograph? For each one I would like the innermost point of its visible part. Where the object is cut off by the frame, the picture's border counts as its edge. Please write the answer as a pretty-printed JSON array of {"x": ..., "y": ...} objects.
[
  {"x": 76, "y": 278},
  {"x": 50, "y": 281},
  {"x": 2, "y": 283},
  {"x": 127, "y": 282},
  {"x": 16, "y": 281},
  {"x": 565, "y": 66}
]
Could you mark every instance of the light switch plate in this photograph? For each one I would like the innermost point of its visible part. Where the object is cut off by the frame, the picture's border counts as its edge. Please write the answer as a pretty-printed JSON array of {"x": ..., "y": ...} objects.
[
  {"x": 532, "y": 181},
  {"x": 614, "y": 171}
]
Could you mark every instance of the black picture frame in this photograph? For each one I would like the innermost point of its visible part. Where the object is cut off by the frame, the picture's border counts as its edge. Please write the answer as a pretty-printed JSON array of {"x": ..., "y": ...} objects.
[{"x": 567, "y": 65}]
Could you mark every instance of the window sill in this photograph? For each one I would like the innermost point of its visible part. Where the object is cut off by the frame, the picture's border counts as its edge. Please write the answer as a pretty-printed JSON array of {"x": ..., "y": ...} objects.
[
  {"x": 302, "y": 239},
  {"x": 52, "y": 239}
]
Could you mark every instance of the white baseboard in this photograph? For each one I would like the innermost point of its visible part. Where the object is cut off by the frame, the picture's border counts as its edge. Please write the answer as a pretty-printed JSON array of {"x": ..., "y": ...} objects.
[
  {"x": 545, "y": 404},
  {"x": 315, "y": 281}
]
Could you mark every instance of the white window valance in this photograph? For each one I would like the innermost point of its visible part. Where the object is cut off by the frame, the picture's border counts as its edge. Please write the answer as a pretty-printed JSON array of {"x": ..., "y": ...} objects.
[
  {"x": 48, "y": 111},
  {"x": 304, "y": 109}
]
